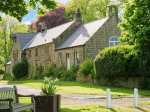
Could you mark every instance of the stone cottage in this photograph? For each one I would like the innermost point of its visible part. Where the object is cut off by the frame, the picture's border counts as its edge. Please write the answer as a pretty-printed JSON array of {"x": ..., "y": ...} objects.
[{"x": 68, "y": 44}]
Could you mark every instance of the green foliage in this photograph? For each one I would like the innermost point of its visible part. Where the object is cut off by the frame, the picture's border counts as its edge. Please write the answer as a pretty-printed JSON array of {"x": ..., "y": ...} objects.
[
  {"x": 146, "y": 83},
  {"x": 20, "y": 7},
  {"x": 54, "y": 72},
  {"x": 49, "y": 86},
  {"x": 90, "y": 9},
  {"x": 70, "y": 75},
  {"x": 87, "y": 68},
  {"x": 8, "y": 77},
  {"x": 38, "y": 73},
  {"x": 8, "y": 25},
  {"x": 136, "y": 30},
  {"x": 20, "y": 69},
  {"x": 1, "y": 71},
  {"x": 118, "y": 61}
]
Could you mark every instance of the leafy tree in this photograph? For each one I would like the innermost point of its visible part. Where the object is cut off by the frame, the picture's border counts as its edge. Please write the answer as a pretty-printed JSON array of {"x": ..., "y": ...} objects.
[
  {"x": 136, "y": 30},
  {"x": 18, "y": 8},
  {"x": 90, "y": 9},
  {"x": 8, "y": 25},
  {"x": 50, "y": 19}
]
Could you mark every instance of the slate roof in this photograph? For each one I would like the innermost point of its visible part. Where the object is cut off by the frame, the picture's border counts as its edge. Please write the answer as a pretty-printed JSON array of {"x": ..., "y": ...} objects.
[
  {"x": 48, "y": 35},
  {"x": 24, "y": 38},
  {"x": 83, "y": 34}
]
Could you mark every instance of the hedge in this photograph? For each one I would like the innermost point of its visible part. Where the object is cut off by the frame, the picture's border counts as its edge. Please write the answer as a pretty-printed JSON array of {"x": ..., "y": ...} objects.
[{"x": 118, "y": 61}]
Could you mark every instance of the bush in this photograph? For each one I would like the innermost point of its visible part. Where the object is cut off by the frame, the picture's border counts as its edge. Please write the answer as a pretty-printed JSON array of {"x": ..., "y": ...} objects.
[
  {"x": 70, "y": 75},
  {"x": 146, "y": 83},
  {"x": 87, "y": 68},
  {"x": 1, "y": 72},
  {"x": 61, "y": 72},
  {"x": 118, "y": 61},
  {"x": 20, "y": 69},
  {"x": 54, "y": 72},
  {"x": 8, "y": 76}
]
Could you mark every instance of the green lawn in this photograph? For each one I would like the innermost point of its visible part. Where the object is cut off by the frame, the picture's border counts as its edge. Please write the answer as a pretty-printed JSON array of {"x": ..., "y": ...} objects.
[
  {"x": 79, "y": 88},
  {"x": 97, "y": 108}
]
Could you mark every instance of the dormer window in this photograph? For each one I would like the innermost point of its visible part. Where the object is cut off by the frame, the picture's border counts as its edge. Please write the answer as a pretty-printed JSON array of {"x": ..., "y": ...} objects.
[{"x": 113, "y": 41}]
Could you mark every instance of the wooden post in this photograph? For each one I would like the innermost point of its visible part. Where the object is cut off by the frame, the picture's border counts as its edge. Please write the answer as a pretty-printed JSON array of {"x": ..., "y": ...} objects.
[{"x": 109, "y": 99}]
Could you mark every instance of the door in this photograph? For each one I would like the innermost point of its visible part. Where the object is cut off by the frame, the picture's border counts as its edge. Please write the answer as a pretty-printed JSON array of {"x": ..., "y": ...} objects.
[{"x": 68, "y": 61}]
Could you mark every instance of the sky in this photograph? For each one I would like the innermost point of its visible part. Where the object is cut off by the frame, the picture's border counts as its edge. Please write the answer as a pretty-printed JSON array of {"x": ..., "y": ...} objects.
[{"x": 32, "y": 14}]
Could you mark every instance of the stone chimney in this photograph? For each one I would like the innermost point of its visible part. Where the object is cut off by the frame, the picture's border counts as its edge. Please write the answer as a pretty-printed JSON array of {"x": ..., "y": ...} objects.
[
  {"x": 112, "y": 11},
  {"x": 78, "y": 16},
  {"x": 42, "y": 27}
]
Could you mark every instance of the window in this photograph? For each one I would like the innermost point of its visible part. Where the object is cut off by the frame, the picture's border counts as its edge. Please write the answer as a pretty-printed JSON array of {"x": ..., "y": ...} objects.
[
  {"x": 47, "y": 49},
  {"x": 113, "y": 41},
  {"x": 60, "y": 57},
  {"x": 68, "y": 63},
  {"x": 36, "y": 52},
  {"x": 29, "y": 53},
  {"x": 77, "y": 58}
]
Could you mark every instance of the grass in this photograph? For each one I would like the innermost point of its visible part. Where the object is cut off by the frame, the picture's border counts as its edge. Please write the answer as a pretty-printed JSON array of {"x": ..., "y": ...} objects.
[
  {"x": 98, "y": 108},
  {"x": 95, "y": 108},
  {"x": 68, "y": 87}
]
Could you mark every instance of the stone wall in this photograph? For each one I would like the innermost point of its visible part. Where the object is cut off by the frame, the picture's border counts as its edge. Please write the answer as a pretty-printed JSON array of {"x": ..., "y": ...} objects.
[
  {"x": 101, "y": 38},
  {"x": 41, "y": 56},
  {"x": 76, "y": 55}
]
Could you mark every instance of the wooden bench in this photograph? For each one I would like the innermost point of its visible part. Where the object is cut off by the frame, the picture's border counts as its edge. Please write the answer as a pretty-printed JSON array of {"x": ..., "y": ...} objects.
[{"x": 9, "y": 100}]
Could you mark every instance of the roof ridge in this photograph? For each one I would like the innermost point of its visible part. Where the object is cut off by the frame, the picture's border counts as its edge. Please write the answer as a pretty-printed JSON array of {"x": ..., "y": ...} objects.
[{"x": 35, "y": 40}]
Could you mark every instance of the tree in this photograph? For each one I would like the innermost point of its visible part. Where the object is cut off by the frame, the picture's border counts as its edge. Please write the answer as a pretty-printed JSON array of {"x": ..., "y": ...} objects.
[
  {"x": 8, "y": 25},
  {"x": 90, "y": 9},
  {"x": 18, "y": 8},
  {"x": 136, "y": 30},
  {"x": 50, "y": 19}
]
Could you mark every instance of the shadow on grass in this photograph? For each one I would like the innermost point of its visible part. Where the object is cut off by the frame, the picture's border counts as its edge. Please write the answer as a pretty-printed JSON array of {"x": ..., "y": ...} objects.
[
  {"x": 141, "y": 109},
  {"x": 113, "y": 110},
  {"x": 70, "y": 110}
]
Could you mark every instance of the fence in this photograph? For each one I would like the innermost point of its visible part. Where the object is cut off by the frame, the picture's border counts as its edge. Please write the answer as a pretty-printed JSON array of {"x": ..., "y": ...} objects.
[{"x": 135, "y": 101}]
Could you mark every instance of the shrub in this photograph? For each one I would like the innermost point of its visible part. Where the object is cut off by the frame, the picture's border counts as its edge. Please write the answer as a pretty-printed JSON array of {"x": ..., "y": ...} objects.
[
  {"x": 61, "y": 72},
  {"x": 20, "y": 69},
  {"x": 54, "y": 72},
  {"x": 8, "y": 76},
  {"x": 87, "y": 68},
  {"x": 1, "y": 71},
  {"x": 146, "y": 83},
  {"x": 70, "y": 75},
  {"x": 118, "y": 61}
]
